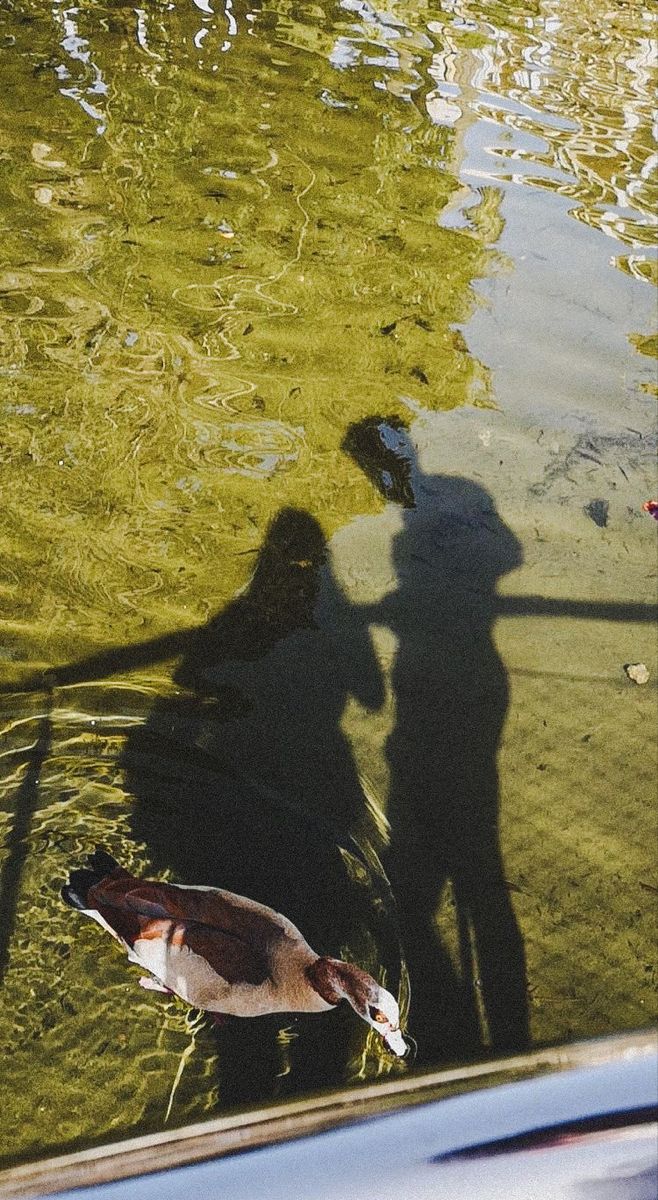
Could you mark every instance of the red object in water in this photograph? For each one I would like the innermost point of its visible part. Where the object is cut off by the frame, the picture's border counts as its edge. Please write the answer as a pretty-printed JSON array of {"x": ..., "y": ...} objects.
[{"x": 651, "y": 506}]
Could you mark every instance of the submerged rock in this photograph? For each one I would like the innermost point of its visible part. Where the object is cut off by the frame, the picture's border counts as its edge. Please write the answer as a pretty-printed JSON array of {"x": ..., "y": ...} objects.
[
  {"x": 638, "y": 672},
  {"x": 597, "y": 510}
]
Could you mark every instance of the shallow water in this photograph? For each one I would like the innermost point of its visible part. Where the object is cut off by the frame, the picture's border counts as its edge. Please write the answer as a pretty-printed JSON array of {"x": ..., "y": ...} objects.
[{"x": 241, "y": 646}]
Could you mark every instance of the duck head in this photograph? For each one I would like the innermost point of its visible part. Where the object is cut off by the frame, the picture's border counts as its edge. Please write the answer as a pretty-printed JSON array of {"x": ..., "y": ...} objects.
[{"x": 336, "y": 980}]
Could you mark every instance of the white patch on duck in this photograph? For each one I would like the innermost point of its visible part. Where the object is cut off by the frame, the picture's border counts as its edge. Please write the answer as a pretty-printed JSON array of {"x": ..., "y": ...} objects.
[{"x": 165, "y": 948}]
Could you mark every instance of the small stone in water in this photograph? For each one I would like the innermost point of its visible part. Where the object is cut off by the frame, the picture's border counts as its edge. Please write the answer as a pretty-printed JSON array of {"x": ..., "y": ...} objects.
[
  {"x": 638, "y": 672},
  {"x": 597, "y": 511},
  {"x": 43, "y": 195}
]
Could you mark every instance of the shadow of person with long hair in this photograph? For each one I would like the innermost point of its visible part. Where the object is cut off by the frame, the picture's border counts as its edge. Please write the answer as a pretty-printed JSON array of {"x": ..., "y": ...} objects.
[
  {"x": 451, "y": 695},
  {"x": 242, "y": 778}
]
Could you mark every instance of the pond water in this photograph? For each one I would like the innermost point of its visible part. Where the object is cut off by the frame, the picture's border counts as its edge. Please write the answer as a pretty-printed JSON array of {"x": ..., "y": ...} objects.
[{"x": 327, "y": 385}]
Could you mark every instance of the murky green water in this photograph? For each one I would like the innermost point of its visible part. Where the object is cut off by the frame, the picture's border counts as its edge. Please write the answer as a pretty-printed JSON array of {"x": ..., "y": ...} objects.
[{"x": 228, "y": 237}]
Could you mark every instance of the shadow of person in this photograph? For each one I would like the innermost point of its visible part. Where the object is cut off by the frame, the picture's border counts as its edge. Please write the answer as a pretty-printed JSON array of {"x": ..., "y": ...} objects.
[
  {"x": 451, "y": 695},
  {"x": 242, "y": 778}
]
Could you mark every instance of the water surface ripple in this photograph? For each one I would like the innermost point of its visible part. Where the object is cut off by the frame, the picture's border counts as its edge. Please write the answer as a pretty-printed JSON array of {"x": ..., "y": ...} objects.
[{"x": 376, "y": 683}]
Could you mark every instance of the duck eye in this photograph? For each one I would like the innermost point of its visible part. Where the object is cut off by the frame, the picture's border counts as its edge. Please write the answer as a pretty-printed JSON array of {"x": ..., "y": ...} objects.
[{"x": 377, "y": 1015}]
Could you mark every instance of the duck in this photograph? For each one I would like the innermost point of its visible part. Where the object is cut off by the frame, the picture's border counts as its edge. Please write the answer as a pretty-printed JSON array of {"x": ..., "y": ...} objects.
[{"x": 224, "y": 953}]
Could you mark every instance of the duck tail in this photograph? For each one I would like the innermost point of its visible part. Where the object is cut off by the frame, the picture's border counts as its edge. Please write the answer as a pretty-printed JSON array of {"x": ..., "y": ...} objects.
[{"x": 101, "y": 864}]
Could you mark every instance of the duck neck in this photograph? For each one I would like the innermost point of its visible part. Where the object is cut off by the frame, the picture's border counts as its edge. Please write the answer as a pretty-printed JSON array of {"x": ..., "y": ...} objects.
[{"x": 335, "y": 980}]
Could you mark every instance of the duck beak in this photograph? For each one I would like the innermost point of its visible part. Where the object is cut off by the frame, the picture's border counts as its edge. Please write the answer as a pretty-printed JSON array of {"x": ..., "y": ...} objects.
[{"x": 394, "y": 1041}]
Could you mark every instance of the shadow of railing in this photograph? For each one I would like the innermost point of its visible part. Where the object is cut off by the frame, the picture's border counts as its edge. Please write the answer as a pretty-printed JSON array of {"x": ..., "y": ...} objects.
[
  {"x": 119, "y": 660},
  {"x": 580, "y": 610},
  {"x": 17, "y": 845}
]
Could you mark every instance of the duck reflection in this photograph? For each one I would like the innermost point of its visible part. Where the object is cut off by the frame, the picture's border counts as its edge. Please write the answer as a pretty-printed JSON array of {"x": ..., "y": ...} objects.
[
  {"x": 452, "y": 697},
  {"x": 245, "y": 780}
]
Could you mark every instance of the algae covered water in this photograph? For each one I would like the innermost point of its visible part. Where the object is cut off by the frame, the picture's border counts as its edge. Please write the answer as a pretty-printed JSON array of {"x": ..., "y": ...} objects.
[{"x": 327, "y": 385}]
